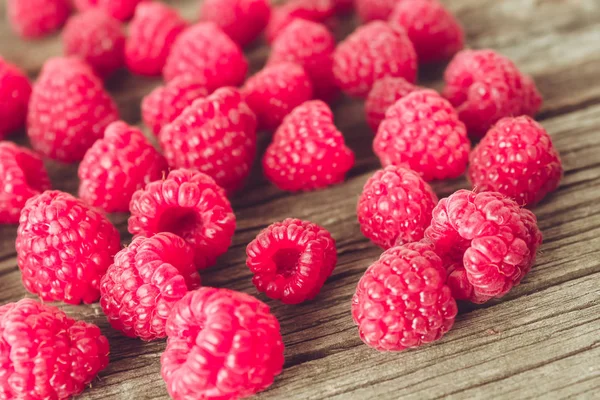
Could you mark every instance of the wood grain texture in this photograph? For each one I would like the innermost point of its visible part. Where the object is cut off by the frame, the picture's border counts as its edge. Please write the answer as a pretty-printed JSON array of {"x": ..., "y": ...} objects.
[{"x": 541, "y": 341}]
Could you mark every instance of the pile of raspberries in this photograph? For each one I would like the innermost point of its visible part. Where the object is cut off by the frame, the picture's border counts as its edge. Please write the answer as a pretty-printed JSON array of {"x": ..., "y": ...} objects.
[{"x": 474, "y": 245}]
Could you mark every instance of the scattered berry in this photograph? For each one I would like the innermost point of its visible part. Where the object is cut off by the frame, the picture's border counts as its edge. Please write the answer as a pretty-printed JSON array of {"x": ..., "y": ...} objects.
[
  {"x": 307, "y": 152},
  {"x": 516, "y": 158},
  {"x": 15, "y": 91},
  {"x": 244, "y": 359},
  {"x": 291, "y": 260},
  {"x": 44, "y": 354},
  {"x": 32, "y": 19},
  {"x": 372, "y": 52},
  {"x": 120, "y": 9},
  {"x": 64, "y": 248},
  {"x": 189, "y": 204},
  {"x": 385, "y": 93},
  {"x": 422, "y": 132},
  {"x": 215, "y": 135},
  {"x": 310, "y": 10},
  {"x": 371, "y": 10},
  {"x": 402, "y": 300}
]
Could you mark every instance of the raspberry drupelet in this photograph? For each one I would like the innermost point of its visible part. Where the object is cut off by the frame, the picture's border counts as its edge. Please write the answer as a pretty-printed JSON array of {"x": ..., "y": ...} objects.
[
  {"x": 384, "y": 94},
  {"x": 15, "y": 91},
  {"x": 32, "y": 19},
  {"x": 120, "y": 9},
  {"x": 310, "y": 10}
]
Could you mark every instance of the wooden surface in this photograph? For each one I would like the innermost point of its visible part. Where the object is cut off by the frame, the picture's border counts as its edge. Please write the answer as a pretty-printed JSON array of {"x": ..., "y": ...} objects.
[{"x": 541, "y": 341}]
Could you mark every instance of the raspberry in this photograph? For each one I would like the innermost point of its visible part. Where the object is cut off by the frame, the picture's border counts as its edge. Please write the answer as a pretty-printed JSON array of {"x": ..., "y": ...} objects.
[
  {"x": 433, "y": 30},
  {"x": 291, "y": 260},
  {"x": 383, "y": 95},
  {"x": 487, "y": 241},
  {"x": 310, "y": 45},
  {"x": 69, "y": 109},
  {"x": 343, "y": 6},
  {"x": 118, "y": 165},
  {"x": 208, "y": 54},
  {"x": 310, "y": 10},
  {"x": 44, "y": 354},
  {"x": 64, "y": 248},
  {"x": 215, "y": 135},
  {"x": 23, "y": 176},
  {"x": 165, "y": 103},
  {"x": 152, "y": 33},
  {"x": 395, "y": 207},
  {"x": 485, "y": 86},
  {"x": 97, "y": 38},
  {"x": 15, "y": 91},
  {"x": 275, "y": 91},
  {"x": 120, "y": 9},
  {"x": 370, "y": 53},
  {"x": 189, "y": 204},
  {"x": 422, "y": 132},
  {"x": 241, "y": 20},
  {"x": 307, "y": 152},
  {"x": 372, "y": 10},
  {"x": 146, "y": 280},
  {"x": 36, "y": 18},
  {"x": 516, "y": 158},
  {"x": 402, "y": 301},
  {"x": 247, "y": 354}
]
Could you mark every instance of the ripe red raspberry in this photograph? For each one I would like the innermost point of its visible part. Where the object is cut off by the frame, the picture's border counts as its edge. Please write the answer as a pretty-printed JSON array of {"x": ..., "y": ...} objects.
[
  {"x": 422, "y": 132},
  {"x": 147, "y": 278},
  {"x": 69, "y": 109},
  {"x": 291, "y": 260},
  {"x": 402, "y": 300},
  {"x": 487, "y": 242},
  {"x": 64, "y": 248},
  {"x": 242, "y": 20},
  {"x": 246, "y": 359},
  {"x": 516, "y": 158},
  {"x": 116, "y": 166},
  {"x": 372, "y": 52},
  {"x": 23, "y": 176},
  {"x": 485, "y": 86},
  {"x": 165, "y": 103},
  {"x": 307, "y": 152},
  {"x": 275, "y": 91},
  {"x": 44, "y": 354},
  {"x": 395, "y": 207},
  {"x": 152, "y": 32},
  {"x": 36, "y": 18},
  {"x": 385, "y": 93},
  {"x": 120, "y": 9},
  {"x": 310, "y": 45},
  {"x": 189, "y": 204},
  {"x": 215, "y": 135},
  {"x": 208, "y": 54},
  {"x": 15, "y": 91},
  {"x": 310, "y": 10},
  {"x": 432, "y": 28},
  {"x": 97, "y": 38}
]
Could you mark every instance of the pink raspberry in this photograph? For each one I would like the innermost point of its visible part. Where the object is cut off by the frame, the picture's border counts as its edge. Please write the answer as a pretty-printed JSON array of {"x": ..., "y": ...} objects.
[
  {"x": 69, "y": 109},
  {"x": 120, "y": 9},
  {"x": 33, "y": 19},
  {"x": 15, "y": 91},
  {"x": 242, "y": 20},
  {"x": 208, "y": 54},
  {"x": 246, "y": 359},
  {"x": 310, "y": 10},
  {"x": 371, "y": 10},
  {"x": 147, "y": 278},
  {"x": 310, "y": 45},
  {"x": 215, "y": 135},
  {"x": 116, "y": 166},
  {"x": 395, "y": 207},
  {"x": 402, "y": 300},
  {"x": 516, "y": 158},
  {"x": 488, "y": 243},
  {"x": 98, "y": 39},
  {"x": 385, "y": 93},
  {"x": 152, "y": 33},
  {"x": 64, "y": 248},
  {"x": 291, "y": 260},
  {"x": 44, "y": 354},
  {"x": 165, "y": 103},
  {"x": 23, "y": 176},
  {"x": 307, "y": 152},
  {"x": 189, "y": 204},
  {"x": 370, "y": 53},
  {"x": 485, "y": 86},
  {"x": 422, "y": 132},
  {"x": 275, "y": 91}
]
